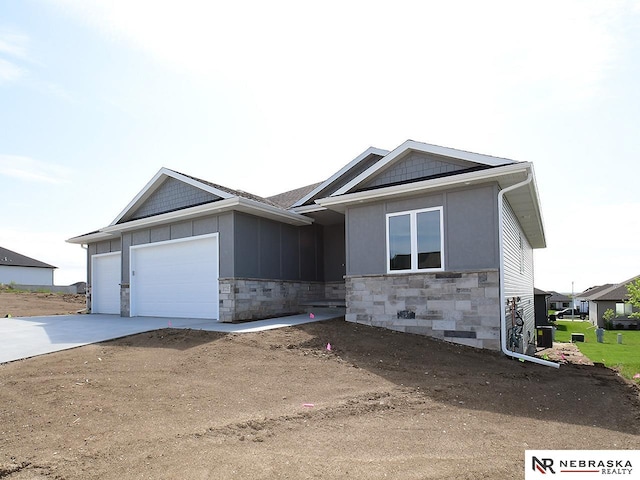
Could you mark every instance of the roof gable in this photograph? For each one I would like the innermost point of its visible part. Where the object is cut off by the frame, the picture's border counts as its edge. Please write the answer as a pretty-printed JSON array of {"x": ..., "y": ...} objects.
[
  {"x": 354, "y": 168},
  {"x": 422, "y": 161},
  {"x": 416, "y": 165},
  {"x": 14, "y": 259},
  {"x": 168, "y": 191},
  {"x": 170, "y": 195}
]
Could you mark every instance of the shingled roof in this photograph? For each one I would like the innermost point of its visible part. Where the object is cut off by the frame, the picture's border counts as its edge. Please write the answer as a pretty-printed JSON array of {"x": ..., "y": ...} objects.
[
  {"x": 287, "y": 199},
  {"x": 616, "y": 293},
  {"x": 14, "y": 259}
]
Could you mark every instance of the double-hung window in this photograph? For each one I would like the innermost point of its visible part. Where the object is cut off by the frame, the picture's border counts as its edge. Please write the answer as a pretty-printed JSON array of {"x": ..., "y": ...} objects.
[{"x": 415, "y": 241}]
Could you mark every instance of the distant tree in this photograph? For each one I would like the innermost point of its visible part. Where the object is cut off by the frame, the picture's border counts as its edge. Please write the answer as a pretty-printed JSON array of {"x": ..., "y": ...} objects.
[
  {"x": 608, "y": 317},
  {"x": 633, "y": 292}
]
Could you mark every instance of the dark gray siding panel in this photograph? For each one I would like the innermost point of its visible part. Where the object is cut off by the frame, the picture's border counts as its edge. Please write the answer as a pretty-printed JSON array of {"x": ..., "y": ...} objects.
[
  {"x": 470, "y": 225},
  {"x": 334, "y": 252},
  {"x": 366, "y": 238},
  {"x": 247, "y": 251},
  {"x": 308, "y": 253},
  {"x": 226, "y": 244},
  {"x": 269, "y": 249},
  {"x": 290, "y": 253}
]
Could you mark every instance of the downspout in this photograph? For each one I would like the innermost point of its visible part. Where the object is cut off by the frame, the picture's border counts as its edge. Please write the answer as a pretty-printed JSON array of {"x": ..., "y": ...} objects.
[{"x": 503, "y": 319}]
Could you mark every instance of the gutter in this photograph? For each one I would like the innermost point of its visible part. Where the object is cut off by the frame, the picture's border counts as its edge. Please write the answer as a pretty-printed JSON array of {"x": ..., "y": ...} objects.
[{"x": 503, "y": 319}]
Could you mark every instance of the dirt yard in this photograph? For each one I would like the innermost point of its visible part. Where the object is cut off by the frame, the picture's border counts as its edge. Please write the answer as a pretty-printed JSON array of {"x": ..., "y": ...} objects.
[
  {"x": 177, "y": 404},
  {"x": 25, "y": 304}
]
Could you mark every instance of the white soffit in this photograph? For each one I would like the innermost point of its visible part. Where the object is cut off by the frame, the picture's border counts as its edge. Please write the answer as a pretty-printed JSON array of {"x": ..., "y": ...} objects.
[{"x": 399, "y": 152}]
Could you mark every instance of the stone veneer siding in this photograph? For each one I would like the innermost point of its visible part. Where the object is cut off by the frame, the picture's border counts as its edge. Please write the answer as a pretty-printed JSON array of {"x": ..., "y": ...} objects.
[
  {"x": 253, "y": 299},
  {"x": 459, "y": 307}
]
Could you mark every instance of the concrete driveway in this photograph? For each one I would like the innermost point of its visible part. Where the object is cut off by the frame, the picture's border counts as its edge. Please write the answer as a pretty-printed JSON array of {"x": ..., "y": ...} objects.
[{"x": 24, "y": 337}]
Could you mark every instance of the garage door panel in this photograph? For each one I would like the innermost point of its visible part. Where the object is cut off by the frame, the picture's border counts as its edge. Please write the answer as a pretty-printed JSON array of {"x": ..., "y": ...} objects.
[
  {"x": 176, "y": 278},
  {"x": 105, "y": 283}
]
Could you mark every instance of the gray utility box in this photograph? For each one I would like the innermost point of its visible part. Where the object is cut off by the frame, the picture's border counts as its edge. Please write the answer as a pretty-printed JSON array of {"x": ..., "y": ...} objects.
[{"x": 577, "y": 337}]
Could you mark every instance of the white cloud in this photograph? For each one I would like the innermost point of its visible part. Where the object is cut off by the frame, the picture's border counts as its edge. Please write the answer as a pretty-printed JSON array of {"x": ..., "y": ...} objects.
[
  {"x": 9, "y": 72},
  {"x": 30, "y": 170},
  {"x": 13, "y": 45}
]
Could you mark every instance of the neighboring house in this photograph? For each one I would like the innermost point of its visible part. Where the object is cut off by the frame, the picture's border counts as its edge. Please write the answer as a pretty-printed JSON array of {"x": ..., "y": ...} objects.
[
  {"x": 541, "y": 299},
  {"x": 582, "y": 299},
  {"x": 558, "y": 301},
  {"x": 23, "y": 270},
  {"x": 612, "y": 297},
  {"x": 421, "y": 239}
]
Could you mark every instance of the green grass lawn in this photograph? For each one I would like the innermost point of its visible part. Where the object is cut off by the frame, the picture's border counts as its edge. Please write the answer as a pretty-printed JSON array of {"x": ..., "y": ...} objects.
[{"x": 623, "y": 357}]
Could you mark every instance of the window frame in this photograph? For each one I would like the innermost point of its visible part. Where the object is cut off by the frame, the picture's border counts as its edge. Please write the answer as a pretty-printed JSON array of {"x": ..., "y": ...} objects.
[
  {"x": 627, "y": 309},
  {"x": 413, "y": 232}
]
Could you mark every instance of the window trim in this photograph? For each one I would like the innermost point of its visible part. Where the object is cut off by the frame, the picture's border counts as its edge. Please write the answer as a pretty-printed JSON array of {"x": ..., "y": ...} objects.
[{"x": 413, "y": 222}]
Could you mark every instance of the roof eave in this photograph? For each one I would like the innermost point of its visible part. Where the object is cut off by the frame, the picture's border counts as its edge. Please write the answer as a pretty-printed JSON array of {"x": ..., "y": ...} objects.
[
  {"x": 156, "y": 181},
  {"x": 412, "y": 145},
  {"x": 505, "y": 176},
  {"x": 231, "y": 204},
  {"x": 340, "y": 173}
]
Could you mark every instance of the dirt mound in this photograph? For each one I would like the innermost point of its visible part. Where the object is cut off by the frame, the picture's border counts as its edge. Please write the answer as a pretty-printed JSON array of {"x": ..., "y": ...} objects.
[{"x": 279, "y": 404}]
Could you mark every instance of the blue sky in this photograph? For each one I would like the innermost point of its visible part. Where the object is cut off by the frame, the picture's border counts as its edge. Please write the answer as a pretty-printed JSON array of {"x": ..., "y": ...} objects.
[{"x": 96, "y": 97}]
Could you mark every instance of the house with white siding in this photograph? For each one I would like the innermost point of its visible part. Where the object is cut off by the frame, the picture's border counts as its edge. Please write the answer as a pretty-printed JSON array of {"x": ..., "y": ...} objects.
[
  {"x": 421, "y": 239},
  {"x": 19, "y": 269}
]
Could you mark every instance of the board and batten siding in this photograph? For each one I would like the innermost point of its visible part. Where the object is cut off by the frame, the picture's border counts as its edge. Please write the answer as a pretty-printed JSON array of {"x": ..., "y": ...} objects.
[{"x": 518, "y": 276}]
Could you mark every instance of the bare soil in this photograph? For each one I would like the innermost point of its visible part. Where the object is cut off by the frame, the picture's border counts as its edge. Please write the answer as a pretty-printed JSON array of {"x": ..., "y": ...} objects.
[
  {"x": 176, "y": 404},
  {"x": 31, "y": 304}
]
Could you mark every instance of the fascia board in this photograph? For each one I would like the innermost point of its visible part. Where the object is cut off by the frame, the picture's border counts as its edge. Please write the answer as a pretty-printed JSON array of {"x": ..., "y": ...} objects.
[
  {"x": 252, "y": 206},
  {"x": 341, "y": 172},
  {"x": 91, "y": 238},
  {"x": 233, "y": 203},
  {"x": 155, "y": 182},
  {"x": 435, "y": 183},
  {"x": 423, "y": 148},
  {"x": 308, "y": 209}
]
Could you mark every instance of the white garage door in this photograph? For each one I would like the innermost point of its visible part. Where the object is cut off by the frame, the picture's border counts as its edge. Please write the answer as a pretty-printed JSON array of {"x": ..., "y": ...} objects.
[
  {"x": 176, "y": 278},
  {"x": 105, "y": 283}
]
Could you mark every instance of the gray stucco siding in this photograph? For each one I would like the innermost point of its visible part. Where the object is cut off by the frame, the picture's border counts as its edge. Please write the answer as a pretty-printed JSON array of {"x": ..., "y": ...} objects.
[
  {"x": 469, "y": 228},
  {"x": 365, "y": 239}
]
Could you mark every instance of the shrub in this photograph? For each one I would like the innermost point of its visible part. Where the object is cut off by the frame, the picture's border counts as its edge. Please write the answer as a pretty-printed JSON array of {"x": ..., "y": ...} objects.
[
  {"x": 608, "y": 317},
  {"x": 619, "y": 326}
]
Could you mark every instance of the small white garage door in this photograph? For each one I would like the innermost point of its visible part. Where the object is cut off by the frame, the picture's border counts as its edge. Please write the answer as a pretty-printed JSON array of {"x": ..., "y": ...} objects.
[
  {"x": 176, "y": 278},
  {"x": 105, "y": 283}
]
